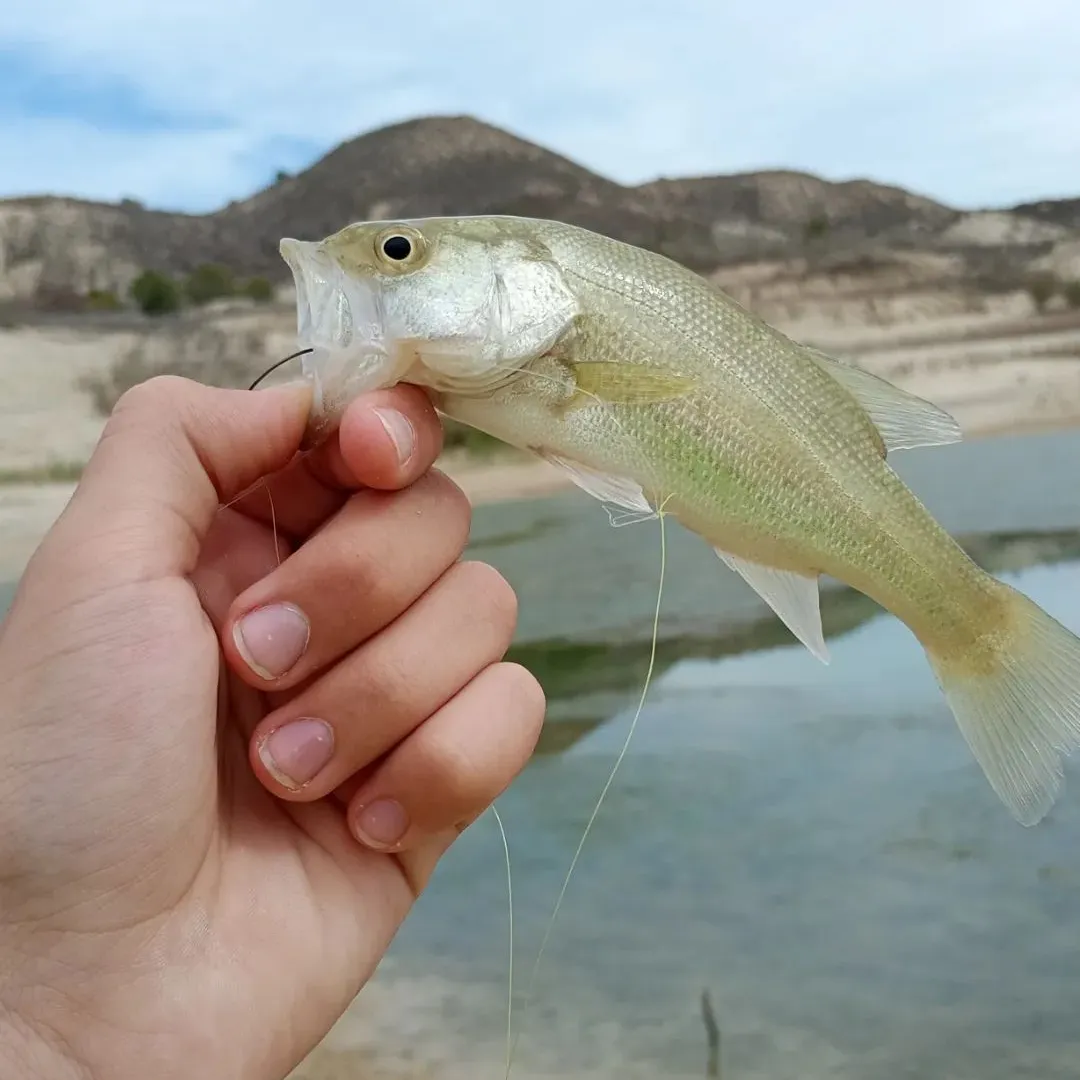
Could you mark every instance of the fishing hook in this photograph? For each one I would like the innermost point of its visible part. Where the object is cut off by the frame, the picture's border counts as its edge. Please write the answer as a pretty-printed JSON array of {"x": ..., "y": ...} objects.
[{"x": 275, "y": 366}]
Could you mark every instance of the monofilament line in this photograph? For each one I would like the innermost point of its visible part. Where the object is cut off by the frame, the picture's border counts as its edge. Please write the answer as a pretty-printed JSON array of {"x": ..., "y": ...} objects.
[
  {"x": 510, "y": 906},
  {"x": 606, "y": 788}
]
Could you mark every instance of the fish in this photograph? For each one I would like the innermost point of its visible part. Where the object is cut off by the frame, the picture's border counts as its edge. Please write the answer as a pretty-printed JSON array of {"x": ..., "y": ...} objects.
[{"x": 657, "y": 392}]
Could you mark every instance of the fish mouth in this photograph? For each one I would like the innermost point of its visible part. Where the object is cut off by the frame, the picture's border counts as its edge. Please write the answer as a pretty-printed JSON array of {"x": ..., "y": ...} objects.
[{"x": 340, "y": 318}]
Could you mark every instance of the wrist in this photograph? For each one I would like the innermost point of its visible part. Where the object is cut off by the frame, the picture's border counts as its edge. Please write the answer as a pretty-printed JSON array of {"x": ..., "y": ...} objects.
[{"x": 32, "y": 1054}]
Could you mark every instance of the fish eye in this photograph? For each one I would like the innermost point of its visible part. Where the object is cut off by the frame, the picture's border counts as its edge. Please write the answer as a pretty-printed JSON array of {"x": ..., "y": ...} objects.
[
  {"x": 400, "y": 248},
  {"x": 397, "y": 247}
]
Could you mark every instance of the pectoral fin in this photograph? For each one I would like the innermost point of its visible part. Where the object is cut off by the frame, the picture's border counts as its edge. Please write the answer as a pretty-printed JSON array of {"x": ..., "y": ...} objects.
[
  {"x": 611, "y": 490},
  {"x": 794, "y": 598},
  {"x": 903, "y": 420},
  {"x": 603, "y": 382}
]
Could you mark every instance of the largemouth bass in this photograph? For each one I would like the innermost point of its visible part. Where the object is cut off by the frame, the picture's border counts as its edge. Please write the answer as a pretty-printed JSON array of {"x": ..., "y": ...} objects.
[{"x": 656, "y": 391}]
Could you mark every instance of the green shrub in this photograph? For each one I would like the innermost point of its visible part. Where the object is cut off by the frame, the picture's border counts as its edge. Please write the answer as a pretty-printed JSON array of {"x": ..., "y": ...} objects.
[
  {"x": 55, "y": 472},
  {"x": 102, "y": 300},
  {"x": 211, "y": 281},
  {"x": 1071, "y": 292},
  {"x": 816, "y": 227},
  {"x": 155, "y": 293},
  {"x": 1041, "y": 288},
  {"x": 258, "y": 289}
]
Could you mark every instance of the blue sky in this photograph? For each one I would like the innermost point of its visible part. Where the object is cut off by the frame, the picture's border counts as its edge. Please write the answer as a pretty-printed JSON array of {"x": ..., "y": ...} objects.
[{"x": 189, "y": 105}]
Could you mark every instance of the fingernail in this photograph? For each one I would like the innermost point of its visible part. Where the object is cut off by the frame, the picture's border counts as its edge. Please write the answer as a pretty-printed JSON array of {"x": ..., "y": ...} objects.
[
  {"x": 297, "y": 751},
  {"x": 400, "y": 430},
  {"x": 272, "y": 639},
  {"x": 381, "y": 824}
]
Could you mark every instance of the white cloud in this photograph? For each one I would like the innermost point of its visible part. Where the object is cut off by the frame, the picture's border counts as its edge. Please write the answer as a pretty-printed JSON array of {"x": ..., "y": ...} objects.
[{"x": 972, "y": 102}]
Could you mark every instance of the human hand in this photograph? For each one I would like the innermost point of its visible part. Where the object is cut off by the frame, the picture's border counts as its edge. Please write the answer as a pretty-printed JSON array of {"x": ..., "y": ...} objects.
[{"x": 170, "y": 901}]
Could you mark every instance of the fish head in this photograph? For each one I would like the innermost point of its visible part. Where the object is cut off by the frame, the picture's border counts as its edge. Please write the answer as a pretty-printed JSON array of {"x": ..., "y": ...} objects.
[{"x": 453, "y": 304}]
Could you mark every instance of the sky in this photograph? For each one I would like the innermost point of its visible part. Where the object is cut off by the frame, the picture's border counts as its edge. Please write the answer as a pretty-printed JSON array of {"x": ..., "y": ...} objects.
[{"x": 188, "y": 105}]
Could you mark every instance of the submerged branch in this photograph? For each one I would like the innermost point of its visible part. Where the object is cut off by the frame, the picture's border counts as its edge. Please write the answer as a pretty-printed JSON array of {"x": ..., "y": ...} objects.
[{"x": 712, "y": 1034}]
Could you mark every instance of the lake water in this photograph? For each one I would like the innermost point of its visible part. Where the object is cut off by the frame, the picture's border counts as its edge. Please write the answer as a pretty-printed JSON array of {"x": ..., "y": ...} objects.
[{"x": 813, "y": 846}]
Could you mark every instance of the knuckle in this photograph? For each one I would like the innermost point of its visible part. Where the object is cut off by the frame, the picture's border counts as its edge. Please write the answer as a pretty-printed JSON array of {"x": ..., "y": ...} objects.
[
  {"x": 461, "y": 781},
  {"x": 390, "y": 687},
  {"x": 491, "y": 591},
  {"x": 451, "y": 499},
  {"x": 528, "y": 697},
  {"x": 154, "y": 407},
  {"x": 437, "y": 511},
  {"x": 151, "y": 395}
]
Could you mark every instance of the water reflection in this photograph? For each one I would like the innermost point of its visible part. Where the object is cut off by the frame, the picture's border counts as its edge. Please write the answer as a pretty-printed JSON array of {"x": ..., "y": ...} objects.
[{"x": 587, "y": 682}]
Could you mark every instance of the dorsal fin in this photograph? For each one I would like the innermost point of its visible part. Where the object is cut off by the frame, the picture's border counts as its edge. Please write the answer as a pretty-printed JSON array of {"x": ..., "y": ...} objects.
[{"x": 902, "y": 419}]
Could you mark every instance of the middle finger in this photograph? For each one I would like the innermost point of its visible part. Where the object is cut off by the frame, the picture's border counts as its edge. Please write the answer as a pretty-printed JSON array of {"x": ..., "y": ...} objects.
[{"x": 351, "y": 579}]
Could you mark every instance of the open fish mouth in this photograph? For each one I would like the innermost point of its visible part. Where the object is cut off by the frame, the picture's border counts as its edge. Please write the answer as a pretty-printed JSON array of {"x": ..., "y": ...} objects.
[{"x": 340, "y": 318}]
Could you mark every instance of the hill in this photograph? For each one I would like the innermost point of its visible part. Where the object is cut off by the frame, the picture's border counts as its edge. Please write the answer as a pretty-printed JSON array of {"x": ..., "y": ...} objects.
[{"x": 54, "y": 250}]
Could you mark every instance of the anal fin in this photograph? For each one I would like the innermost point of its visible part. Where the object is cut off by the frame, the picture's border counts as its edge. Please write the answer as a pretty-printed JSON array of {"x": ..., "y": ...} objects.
[
  {"x": 903, "y": 420},
  {"x": 795, "y": 599}
]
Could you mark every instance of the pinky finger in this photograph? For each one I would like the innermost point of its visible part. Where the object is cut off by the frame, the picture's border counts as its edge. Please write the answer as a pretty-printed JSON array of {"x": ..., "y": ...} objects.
[{"x": 449, "y": 770}]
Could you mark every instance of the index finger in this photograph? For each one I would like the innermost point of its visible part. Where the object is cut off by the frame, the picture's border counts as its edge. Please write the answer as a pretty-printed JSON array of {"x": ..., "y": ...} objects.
[{"x": 387, "y": 440}]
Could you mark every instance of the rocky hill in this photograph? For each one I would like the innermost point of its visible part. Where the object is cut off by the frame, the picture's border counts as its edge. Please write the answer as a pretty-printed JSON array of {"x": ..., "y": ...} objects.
[
  {"x": 53, "y": 251},
  {"x": 446, "y": 165}
]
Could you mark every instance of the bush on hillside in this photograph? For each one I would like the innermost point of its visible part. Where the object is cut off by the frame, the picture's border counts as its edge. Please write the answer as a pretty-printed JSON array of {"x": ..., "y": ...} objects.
[
  {"x": 211, "y": 281},
  {"x": 816, "y": 228},
  {"x": 155, "y": 293},
  {"x": 102, "y": 300},
  {"x": 1042, "y": 288},
  {"x": 258, "y": 289}
]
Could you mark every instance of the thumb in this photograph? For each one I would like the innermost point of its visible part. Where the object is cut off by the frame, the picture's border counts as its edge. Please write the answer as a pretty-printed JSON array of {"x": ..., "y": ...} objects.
[{"x": 171, "y": 453}]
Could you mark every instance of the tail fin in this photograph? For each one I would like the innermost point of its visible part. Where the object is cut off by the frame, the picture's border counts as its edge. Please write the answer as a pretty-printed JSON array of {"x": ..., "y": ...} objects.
[{"x": 1018, "y": 705}]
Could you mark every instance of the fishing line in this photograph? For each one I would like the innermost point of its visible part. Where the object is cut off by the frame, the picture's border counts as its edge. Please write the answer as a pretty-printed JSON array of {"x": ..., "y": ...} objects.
[
  {"x": 607, "y": 786},
  {"x": 262, "y": 482},
  {"x": 273, "y": 524},
  {"x": 510, "y": 905}
]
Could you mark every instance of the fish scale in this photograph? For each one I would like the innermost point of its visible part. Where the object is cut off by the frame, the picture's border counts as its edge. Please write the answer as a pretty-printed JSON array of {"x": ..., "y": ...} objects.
[{"x": 654, "y": 390}]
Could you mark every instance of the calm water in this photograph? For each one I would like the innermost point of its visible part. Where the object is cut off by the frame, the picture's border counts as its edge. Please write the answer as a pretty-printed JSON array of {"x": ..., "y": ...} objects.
[{"x": 814, "y": 846}]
